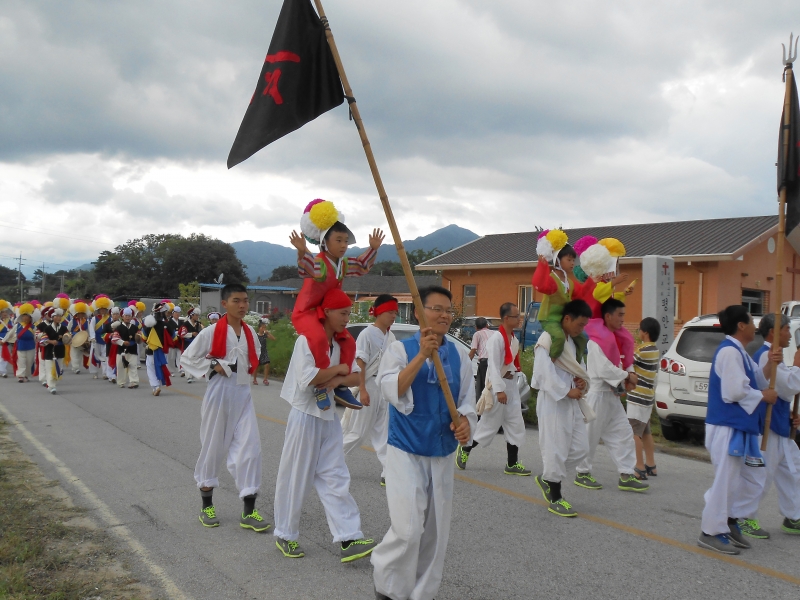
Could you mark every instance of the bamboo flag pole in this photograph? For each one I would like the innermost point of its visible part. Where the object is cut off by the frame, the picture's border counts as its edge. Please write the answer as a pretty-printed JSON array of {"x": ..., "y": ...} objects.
[
  {"x": 398, "y": 241},
  {"x": 787, "y": 97}
]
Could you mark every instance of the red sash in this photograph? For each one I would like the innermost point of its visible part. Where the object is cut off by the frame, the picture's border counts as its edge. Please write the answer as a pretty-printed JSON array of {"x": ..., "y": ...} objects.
[
  {"x": 507, "y": 359},
  {"x": 219, "y": 345}
]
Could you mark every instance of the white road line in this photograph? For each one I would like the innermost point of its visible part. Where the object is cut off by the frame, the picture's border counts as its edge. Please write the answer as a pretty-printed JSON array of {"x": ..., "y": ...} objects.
[{"x": 102, "y": 509}]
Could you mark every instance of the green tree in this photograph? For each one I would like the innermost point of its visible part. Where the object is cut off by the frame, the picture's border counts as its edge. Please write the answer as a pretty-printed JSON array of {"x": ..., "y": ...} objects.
[
  {"x": 283, "y": 272},
  {"x": 9, "y": 276},
  {"x": 189, "y": 295},
  {"x": 416, "y": 257}
]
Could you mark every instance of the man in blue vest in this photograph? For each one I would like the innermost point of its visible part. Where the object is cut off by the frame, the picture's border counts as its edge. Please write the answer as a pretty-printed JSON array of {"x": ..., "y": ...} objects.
[
  {"x": 734, "y": 420},
  {"x": 409, "y": 562},
  {"x": 782, "y": 457}
]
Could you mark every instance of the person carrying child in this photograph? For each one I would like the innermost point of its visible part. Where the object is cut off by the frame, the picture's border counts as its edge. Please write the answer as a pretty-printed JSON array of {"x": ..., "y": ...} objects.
[{"x": 324, "y": 226}]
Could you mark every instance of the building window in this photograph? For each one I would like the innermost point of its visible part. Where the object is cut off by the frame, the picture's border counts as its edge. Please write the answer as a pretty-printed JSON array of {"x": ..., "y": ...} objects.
[
  {"x": 753, "y": 300},
  {"x": 470, "y": 300},
  {"x": 263, "y": 307},
  {"x": 524, "y": 297}
]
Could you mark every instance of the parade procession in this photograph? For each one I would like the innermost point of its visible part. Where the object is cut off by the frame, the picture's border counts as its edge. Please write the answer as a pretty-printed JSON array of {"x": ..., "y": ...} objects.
[{"x": 597, "y": 395}]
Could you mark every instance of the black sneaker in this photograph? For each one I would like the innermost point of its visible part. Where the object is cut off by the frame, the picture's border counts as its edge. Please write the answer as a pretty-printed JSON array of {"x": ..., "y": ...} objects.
[
  {"x": 358, "y": 549},
  {"x": 585, "y": 480},
  {"x": 208, "y": 517},
  {"x": 545, "y": 487},
  {"x": 254, "y": 521},
  {"x": 290, "y": 548},
  {"x": 462, "y": 456},
  {"x": 718, "y": 543},
  {"x": 629, "y": 483},
  {"x": 736, "y": 537},
  {"x": 751, "y": 528},
  {"x": 791, "y": 527},
  {"x": 517, "y": 469},
  {"x": 344, "y": 397}
]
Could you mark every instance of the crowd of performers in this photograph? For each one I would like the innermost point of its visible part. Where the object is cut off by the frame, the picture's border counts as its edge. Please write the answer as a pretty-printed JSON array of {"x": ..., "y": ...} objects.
[
  {"x": 584, "y": 361},
  {"x": 42, "y": 341}
]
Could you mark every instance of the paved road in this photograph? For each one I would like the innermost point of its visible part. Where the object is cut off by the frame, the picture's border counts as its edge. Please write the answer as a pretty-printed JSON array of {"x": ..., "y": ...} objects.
[{"x": 129, "y": 457}]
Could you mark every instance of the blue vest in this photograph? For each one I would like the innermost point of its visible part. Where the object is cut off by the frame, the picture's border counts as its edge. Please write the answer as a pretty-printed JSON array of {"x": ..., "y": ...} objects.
[
  {"x": 426, "y": 431},
  {"x": 25, "y": 341},
  {"x": 781, "y": 410},
  {"x": 732, "y": 414}
]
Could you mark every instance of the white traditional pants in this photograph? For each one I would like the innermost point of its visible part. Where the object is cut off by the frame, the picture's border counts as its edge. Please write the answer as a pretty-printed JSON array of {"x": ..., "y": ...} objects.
[
  {"x": 229, "y": 430},
  {"x": 25, "y": 360},
  {"x": 76, "y": 359},
  {"x": 611, "y": 426},
  {"x": 782, "y": 460},
  {"x": 369, "y": 422},
  {"x": 563, "y": 439},
  {"x": 409, "y": 561},
  {"x": 99, "y": 351},
  {"x": 727, "y": 472},
  {"x": 51, "y": 373},
  {"x": 151, "y": 371},
  {"x": 127, "y": 374},
  {"x": 174, "y": 360},
  {"x": 313, "y": 455},
  {"x": 508, "y": 416},
  {"x": 4, "y": 367},
  {"x": 42, "y": 370}
]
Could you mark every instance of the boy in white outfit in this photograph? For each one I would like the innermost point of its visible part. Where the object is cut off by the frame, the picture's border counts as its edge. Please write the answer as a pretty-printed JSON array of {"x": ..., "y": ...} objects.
[
  {"x": 502, "y": 349},
  {"x": 372, "y": 421},
  {"x": 312, "y": 449},
  {"x": 226, "y": 353},
  {"x": 782, "y": 456},
  {"x": 562, "y": 429}
]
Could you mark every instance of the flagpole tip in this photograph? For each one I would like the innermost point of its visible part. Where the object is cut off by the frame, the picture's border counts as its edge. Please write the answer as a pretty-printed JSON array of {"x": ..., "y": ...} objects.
[{"x": 792, "y": 55}]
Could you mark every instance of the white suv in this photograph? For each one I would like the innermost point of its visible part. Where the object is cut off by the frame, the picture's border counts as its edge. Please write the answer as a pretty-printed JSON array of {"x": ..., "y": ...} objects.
[{"x": 682, "y": 388}]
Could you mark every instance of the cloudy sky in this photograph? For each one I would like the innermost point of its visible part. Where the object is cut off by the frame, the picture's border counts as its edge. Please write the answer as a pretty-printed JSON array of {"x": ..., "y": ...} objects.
[{"x": 116, "y": 118}]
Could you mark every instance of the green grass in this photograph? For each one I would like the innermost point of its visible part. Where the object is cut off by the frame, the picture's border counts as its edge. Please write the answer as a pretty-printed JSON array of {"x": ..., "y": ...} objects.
[{"x": 280, "y": 349}]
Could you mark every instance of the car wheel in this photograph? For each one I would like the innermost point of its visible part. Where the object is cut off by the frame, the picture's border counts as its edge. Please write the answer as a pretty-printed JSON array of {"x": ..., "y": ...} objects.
[{"x": 670, "y": 432}]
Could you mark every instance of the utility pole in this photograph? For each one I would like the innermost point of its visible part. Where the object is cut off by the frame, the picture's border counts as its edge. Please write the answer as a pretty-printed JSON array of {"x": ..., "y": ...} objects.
[
  {"x": 61, "y": 289},
  {"x": 41, "y": 294},
  {"x": 19, "y": 275}
]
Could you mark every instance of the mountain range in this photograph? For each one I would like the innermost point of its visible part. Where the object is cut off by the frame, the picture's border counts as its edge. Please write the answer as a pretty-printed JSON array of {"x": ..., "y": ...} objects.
[{"x": 260, "y": 258}]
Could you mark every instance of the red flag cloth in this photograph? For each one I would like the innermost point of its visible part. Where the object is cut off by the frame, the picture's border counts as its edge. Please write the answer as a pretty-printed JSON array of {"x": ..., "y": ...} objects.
[
  {"x": 6, "y": 353},
  {"x": 789, "y": 162},
  {"x": 508, "y": 357},
  {"x": 112, "y": 356},
  {"x": 298, "y": 82},
  {"x": 219, "y": 344}
]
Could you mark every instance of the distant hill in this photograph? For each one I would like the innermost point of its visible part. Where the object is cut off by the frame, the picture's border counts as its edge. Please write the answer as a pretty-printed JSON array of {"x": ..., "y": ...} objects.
[{"x": 260, "y": 258}]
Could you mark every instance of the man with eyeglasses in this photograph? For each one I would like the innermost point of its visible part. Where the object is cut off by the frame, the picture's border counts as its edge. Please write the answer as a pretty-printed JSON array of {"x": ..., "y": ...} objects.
[
  {"x": 409, "y": 562},
  {"x": 506, "y": 411}
]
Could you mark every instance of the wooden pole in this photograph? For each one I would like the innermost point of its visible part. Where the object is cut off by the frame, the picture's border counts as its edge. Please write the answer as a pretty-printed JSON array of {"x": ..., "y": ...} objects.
[
  {"x": 387, "y": 209},
  {"x": 787, "y": 97}
]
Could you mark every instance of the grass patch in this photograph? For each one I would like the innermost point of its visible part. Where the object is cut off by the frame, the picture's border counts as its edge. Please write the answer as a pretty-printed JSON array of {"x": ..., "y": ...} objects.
[
  {"x": 47, "y": 549},
  {"x": 280, "y": 349}
]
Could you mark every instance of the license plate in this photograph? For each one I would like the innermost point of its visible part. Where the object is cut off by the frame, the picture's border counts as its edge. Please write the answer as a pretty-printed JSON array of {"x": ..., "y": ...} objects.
[{"x": 700, "y": 386}]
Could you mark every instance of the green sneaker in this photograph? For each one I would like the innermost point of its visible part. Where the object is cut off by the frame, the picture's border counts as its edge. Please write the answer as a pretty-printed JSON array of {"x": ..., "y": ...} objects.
[
  {"x": 751, "y": 528},
  {"x": 208, "y": 517},
  {"x": 383, "y": 481},
  {"x": 517, "y": 469},
  {"x": 562, "y": 508},
  {"x": 289, "y": 548},
  {"x": 585, "y": 480},
  {"x": 254, "y": 521},
  {"x": 545, "y": 487},
  {"x": 462, "y": 456},
  {"x": 357, "y": 549},
  {"x": 790, "y": 526},
  {"x": 629, "y": 483}
]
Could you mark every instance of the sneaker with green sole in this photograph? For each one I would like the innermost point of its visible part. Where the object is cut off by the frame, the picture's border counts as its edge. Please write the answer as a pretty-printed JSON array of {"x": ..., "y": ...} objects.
[
  {"x": 517, "y": 469},
  {"x": 751, "y": 528},
  {"x": 383, "y": 481},
  {"x": 357, "y": 549},
  {"x": 462, "y": 456},
  {"x": 629, "y": 483},
  {"x": 545, "y": 487},
  {"x": 585, "y": 480},
  {"x": 208, "y": 517},
  {"x": 289, "y": 548},
  {"x": 254, "y": 521},
  {"x": 792, "y": 527},
  {"x": 562, "y": 508}
]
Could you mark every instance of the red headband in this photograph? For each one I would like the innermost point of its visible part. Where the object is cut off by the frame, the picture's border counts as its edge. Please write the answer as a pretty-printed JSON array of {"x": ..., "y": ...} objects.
[
  {"x": 385, "y": 307},
  {"x": 333, "y": 299}
]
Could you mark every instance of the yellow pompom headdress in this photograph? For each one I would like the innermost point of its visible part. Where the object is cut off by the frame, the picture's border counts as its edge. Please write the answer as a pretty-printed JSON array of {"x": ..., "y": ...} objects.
[
  {"x": 614, "y": 246},
  {"x": 79, "y": 306},
  {"x": 550, "y": 243},
  {"x": 318, "y": 217},
  {"x": 61, "y": 301},
  {"x": 4, "y": 305}
]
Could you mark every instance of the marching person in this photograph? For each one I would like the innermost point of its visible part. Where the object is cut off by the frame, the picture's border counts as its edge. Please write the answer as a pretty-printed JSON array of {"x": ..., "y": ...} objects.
[
  {"x": 562, "y": 425},
  {"x": 782, "y": 457},
  {"x": 156, "y": 339},
  {"x": 46, "y": 313},
  {"x": 478, "y": 347},
  {"x": 264, "y": 334},
  {"x": 189, "y": 330},
  {"x": 6, "y": 327},
  {"x": 213, "y": 317},
  {"x": 25, "y": 346},
  {"x": 608, "y": 369},
  {"x": 175, "y": 341},
  {"x": 312, "y": 449},
  {"x": 737, "y": 397},
  {"x": 502, "y": 349},
  {"x": 124, "y": 338},
  {"x": 54, "y": 350},
  {"x": 372, "y": 421},
  {"x": 409, "y": 562},
  {"x": 79, "y": 311},
  {"x": 226, "y": 353},
  {"x": 97, "y": 331}
]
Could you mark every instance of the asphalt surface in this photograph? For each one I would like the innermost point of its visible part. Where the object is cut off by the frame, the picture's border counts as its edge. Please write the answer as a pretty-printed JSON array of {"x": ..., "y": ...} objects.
[{"x": 129, "y": 457}]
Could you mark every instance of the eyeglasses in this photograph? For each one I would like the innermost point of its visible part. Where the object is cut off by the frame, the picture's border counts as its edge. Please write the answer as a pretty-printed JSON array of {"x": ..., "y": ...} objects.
[
  {"x": 517, "y": 316},
  {"x": 437, "y": 310}
]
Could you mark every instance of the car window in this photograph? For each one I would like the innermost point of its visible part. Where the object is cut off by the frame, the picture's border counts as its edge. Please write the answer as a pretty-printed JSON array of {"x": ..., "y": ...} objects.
[
  {"x": 699, "y": 343},
  {"x": 753, "y": 346},
  {"x": 796, "y": 311},
  {"x": 355, "y": 330},
  {"x": 403, "y": 334}
]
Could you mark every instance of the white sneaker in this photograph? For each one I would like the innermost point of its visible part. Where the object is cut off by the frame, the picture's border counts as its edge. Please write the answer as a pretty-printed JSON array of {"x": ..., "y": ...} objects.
[{"x": 52, "y": 390}]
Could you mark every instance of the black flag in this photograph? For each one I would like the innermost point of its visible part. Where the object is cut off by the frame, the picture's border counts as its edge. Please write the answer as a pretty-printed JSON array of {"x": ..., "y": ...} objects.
[
  {"x": 298, "y": 82},
  {"x": 789, "y": 162}
]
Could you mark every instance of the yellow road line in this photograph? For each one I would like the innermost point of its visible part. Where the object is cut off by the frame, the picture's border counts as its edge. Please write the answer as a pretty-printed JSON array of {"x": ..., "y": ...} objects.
[
  {"x": 601, "y": 521},
  {"x": 102, "y": 509}
]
